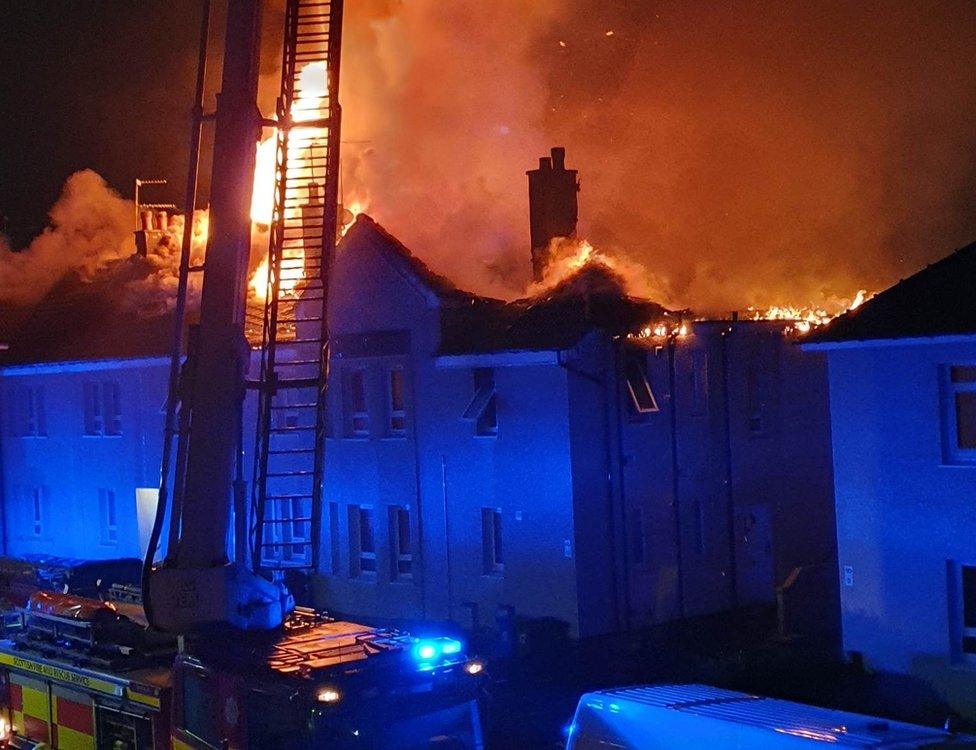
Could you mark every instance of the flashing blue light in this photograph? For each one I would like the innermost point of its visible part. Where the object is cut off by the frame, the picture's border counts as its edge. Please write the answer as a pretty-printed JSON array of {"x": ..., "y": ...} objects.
[
  {"x": 432, "y": 649},
  {"x": 451, "y": 646}
]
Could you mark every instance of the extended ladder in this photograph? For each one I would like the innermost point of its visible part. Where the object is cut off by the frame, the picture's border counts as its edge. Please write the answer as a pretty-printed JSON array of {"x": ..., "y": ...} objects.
[{"x": 290, "y": 439}]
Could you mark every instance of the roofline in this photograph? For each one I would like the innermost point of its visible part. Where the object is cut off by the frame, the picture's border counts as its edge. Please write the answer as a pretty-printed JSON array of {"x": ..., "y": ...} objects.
[
  {"x": 959, "y": 338},
  {"x": 84, "y": 365},
  {"x": 498, "y": 359}
]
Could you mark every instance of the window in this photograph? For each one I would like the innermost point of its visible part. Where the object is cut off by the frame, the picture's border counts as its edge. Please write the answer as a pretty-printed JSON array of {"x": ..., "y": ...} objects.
[
  {"x": 959, "y": 414},
  {"x": 35, "y": 421},
  {"x": 699, "y": 381},
  {"x": 397, "y": 402},
  {"x": 103, "y": 408},
  {"x": 482, "y": 409},
  {"x": 967, "y": 613},
  {"x": 491, "y": 540},
  {"x": 334, "y": 537},
  {"x": 357, "y": 414},
  {"x": 635, "y": 530},
  {"x": 642, "y": 399},
  {"x": 401, "y": 554},
  {"x": 108, "y": 520},
  {"x": 362, "y": 541},
  {"x": 37, "y": 511}
]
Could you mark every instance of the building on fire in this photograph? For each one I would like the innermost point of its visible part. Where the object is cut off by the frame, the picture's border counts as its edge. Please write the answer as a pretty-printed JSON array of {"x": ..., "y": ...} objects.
[
  {"x": 581, "y": 455},
  {"x": 903, "y": 409}
]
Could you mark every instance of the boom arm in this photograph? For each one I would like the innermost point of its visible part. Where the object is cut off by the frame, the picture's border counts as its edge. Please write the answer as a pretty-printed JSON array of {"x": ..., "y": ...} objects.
[{"x": 198, "y": 586}]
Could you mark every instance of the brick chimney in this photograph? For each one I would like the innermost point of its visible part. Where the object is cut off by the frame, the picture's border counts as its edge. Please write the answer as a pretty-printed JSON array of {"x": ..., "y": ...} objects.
[{"x": 553, "y": 208}]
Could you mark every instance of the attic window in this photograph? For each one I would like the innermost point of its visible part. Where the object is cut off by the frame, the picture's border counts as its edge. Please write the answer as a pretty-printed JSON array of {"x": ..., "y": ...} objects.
[
  {"x": 642, "y": 399},
  {"x": 482, "y": 409}
]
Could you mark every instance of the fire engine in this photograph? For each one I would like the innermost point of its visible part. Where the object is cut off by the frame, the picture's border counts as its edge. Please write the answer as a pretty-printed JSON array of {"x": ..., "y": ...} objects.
[{"x": 211, "y": 651}]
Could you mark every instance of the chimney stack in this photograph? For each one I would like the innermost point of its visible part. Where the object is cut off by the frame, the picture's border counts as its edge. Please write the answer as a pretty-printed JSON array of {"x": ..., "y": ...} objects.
[{"x": 553, "y": 207}]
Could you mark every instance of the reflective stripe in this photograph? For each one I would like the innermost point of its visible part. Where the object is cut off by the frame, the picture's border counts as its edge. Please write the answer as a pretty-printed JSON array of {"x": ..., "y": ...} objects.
[
  {"x": 178, "y": 744},
  {"x": 74, "y": 715}
]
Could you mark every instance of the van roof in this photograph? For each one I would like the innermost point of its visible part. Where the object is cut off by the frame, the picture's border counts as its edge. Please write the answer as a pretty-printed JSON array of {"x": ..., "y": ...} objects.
[{"x": 840, "y": 728}]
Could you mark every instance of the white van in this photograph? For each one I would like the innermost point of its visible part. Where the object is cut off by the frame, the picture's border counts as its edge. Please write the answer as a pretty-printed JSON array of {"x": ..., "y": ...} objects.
[{"x": 690, "y": 717}]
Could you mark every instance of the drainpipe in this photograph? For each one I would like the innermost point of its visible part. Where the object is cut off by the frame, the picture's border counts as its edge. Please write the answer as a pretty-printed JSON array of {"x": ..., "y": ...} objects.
[
  {"x": 622, "y": 493},
  {"x": 447, "y": 541},
  {"x": 733, "y": 567},
  {"x": 675, "y": 482},
  {"x": 3, "y": 489}
]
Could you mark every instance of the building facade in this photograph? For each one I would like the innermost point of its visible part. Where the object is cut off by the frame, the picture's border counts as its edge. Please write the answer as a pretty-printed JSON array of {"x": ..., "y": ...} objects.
[
  {"x": 903, "y": 406},
  {"x": 486, "y": 462}
]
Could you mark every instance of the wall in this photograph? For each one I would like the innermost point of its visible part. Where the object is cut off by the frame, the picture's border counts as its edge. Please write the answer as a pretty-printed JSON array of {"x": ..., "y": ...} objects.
[
  {"x": 72, "y": 466},
  {"x": 902, "y": 512}
]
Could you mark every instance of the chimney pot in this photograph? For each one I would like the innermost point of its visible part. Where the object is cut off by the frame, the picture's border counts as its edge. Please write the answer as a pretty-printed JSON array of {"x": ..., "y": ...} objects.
[
  {"x": 545, "y": 163},
  {"x": 558, "y": 158}
]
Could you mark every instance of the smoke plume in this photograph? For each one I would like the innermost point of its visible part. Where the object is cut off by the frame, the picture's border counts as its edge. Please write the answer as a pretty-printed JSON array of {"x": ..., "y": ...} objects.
[
  {"x": 89, "y": 226},
  {"x": 742, "y": 153}
]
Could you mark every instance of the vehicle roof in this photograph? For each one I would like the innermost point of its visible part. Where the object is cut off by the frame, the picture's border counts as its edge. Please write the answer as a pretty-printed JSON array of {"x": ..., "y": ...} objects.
[{"x": 784, "y": 717}]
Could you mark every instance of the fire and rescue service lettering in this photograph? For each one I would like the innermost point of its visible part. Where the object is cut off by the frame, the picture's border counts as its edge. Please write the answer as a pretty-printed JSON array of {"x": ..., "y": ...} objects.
[{"x": 62, "y": 675}]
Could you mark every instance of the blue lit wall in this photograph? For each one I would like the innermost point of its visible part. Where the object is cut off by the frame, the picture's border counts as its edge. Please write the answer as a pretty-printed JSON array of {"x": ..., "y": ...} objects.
[
  {"x": 70, "y": 467},
  {"x": 905, "y": 516}
]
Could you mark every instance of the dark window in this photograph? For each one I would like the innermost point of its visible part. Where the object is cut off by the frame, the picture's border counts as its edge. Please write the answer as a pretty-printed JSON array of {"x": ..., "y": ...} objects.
[
  {"x": 357, "y": 413},
  {"x": 482, "y": 409},
  {"x": 491, "y": 540},
  {"x": 37, "y": 511},
  {"x": 636, "y": 534},
  {"x": 642, "y": 399},
  {"x": 967, "y": 576},
  {"x": 959, "y": 423},
  {"x": 401, "y": 553},
  {"x": 35, "y": 423},
  {"x": 397, "y": 402},
  {"x": 200, "y": 711},
  {"x": 108, "y": 517},
  {"x": 362, "y": 541},
  {"x": 103, "y": 408}
]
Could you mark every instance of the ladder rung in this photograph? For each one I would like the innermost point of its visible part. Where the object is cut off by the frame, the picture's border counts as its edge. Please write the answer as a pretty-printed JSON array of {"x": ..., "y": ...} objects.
[
  {"x": 289, "y": 451},
  {"x": 286, "y": 497},
  {"x": 279, "y": 474}
]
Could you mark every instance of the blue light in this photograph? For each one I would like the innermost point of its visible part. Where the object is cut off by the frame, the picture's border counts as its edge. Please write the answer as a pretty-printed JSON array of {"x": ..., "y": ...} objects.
[
  {"x": 451, "y": 646},
  {"x": 434, "y": 649}
]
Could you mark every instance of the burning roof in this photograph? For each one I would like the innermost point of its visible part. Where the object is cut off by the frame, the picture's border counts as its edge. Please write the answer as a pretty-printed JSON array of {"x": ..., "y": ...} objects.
[{"x": 936, "y": 301}]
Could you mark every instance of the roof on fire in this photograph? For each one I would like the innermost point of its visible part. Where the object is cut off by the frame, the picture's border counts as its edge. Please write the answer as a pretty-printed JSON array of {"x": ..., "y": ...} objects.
[
  {"x": 939, "y": 300},
  {"x": 555, "y": 319}
]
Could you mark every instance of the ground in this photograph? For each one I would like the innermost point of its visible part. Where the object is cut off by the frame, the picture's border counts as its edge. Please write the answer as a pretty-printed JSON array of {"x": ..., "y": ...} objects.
[{"x": 534, "y": 695}]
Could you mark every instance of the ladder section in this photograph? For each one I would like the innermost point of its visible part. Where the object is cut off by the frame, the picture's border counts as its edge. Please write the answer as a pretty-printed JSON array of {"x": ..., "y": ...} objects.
[{"x": 289, "y": 456}]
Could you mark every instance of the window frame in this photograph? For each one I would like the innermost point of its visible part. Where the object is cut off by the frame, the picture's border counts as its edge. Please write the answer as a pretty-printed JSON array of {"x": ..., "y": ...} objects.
[
  {"x": 639, "y": 389},
  {"x": 493, "y": 559},
  {"x": 482, "y": 409},
  {"x": 102, "y": 408},
  {"x": 35, "y": 418},
  {"x": 108, "y": 517},
  {"x": 952, "y": 453},
  {"x": 358, "y": 555},
  {"x": 37, "y": 497},
  {"x": 351, "y": 413},
  {"x": 394, "y": 412},
  {"x": 959, "y": 632},
  {"x": 401, "y": 555}
]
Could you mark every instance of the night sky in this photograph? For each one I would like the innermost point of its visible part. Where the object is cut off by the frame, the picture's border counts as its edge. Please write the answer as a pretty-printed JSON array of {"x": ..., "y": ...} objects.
[{"x": 741, "y": 152}]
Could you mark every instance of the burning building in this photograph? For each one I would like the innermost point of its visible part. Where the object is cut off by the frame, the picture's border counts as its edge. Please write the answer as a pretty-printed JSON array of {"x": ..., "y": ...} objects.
[{"x": 580, "y": 454}]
